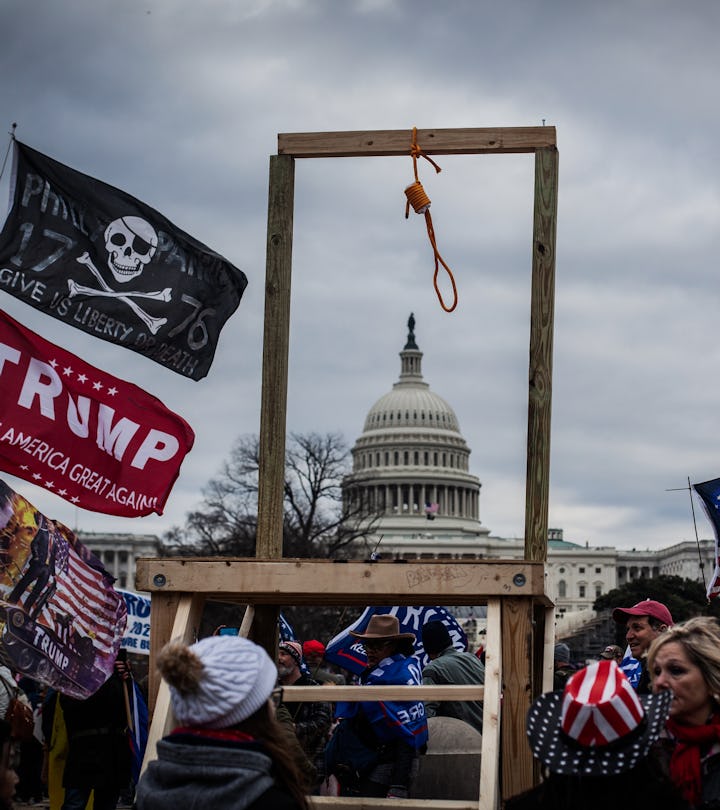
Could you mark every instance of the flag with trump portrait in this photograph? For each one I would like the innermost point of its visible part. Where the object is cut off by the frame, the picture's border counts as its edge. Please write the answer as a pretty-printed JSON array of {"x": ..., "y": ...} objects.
[
  {"x": 709, "y": 494},
  {"x": 102, "y": 261},
  {"x": 62, "y": 621},
  {"x": 348, "y": 652}
]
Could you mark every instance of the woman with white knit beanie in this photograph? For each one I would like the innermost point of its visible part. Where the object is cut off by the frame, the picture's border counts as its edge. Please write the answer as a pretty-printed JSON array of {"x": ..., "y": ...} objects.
[{"x": 228, "y": 752}]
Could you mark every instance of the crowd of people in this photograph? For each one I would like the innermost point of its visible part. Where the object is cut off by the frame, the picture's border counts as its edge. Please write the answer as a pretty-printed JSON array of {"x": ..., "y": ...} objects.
[
  {"x": 241, "y": 744},
  {"x": 641, "y": 723},
  {"x": 665, "y": 687},
  {"x": 71, "y": 748}
]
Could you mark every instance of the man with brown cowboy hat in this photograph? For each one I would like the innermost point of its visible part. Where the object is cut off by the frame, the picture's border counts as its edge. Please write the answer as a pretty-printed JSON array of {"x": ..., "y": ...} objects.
[{"x": 395, "y": 730}]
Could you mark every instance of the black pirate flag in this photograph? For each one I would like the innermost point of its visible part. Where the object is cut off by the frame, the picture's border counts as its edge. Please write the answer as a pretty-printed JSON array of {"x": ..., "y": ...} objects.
[{"x": 102, "y": 261}]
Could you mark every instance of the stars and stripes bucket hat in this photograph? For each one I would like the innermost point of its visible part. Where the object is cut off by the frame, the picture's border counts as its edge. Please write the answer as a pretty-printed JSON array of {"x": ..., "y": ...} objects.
[{"x": 598, "y": 725}]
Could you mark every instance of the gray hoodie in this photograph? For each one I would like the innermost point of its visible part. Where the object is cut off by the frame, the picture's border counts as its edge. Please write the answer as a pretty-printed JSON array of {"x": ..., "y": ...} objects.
[{"x": 189, "y": 777}]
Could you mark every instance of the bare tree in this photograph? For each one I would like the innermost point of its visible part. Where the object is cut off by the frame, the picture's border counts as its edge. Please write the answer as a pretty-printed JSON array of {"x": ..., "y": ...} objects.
[{"x": 317, "y": 523}]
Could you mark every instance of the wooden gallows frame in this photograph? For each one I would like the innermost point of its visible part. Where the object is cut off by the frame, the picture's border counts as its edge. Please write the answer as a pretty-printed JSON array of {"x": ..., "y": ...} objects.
[{"x": 520, "y": 626}]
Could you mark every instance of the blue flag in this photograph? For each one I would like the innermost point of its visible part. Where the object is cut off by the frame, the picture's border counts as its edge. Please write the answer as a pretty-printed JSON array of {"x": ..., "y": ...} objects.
[
  {"x": 139, "y": 735},
  {"x": 709, "y": 492},
  {"x": 348, "y": 652},
  {"x": 285, "y": 629},
  {"x": 632, "y": 668}
]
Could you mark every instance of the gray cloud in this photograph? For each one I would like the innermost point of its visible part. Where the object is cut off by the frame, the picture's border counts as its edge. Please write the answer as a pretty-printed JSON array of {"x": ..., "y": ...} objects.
[{"x": 180, "y": 104}]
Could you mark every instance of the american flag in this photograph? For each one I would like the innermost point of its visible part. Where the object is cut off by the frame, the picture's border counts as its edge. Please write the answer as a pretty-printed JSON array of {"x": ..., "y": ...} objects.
[{"x": 84, "y": 593}]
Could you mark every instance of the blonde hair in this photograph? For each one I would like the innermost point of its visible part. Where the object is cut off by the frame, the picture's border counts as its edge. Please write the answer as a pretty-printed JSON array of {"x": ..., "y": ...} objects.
[{"x": 700, "y": 638}]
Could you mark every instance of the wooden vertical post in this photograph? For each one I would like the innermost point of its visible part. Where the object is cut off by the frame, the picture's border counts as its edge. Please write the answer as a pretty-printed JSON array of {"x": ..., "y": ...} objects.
[
  {"x": 548, "y": 670},
  {"x": 492, "y": 707},
  {"x": 273, "y": 415},
  {"x": 542, "y": 307},
  {"x": 163, "y": 607},
  {"x": 184, "y": 628},
  {"x": 517, "y": 770}
]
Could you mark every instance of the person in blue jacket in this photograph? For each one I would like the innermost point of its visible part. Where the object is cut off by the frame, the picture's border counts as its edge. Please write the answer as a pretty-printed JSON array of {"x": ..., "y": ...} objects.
[{"x": 397, "y": 730}]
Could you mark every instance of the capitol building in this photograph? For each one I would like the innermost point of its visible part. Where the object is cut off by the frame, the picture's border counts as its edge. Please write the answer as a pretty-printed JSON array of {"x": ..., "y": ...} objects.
[{"x": 411, "y": 468}]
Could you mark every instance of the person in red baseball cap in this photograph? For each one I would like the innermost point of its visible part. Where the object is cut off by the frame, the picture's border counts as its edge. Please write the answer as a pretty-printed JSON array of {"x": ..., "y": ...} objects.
[
  {"x": 643, "y": 624},
  {"x": 314, "y": 655}
]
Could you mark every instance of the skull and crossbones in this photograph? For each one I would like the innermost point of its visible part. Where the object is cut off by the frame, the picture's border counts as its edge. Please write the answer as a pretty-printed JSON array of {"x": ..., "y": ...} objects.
[{"x": 130, "y": 243}]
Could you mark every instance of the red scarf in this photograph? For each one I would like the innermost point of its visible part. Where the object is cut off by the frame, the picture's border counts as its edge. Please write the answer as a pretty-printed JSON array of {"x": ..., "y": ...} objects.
[
  {"x": 685, "y": 762},
  {"x": 228, "y": 734}
]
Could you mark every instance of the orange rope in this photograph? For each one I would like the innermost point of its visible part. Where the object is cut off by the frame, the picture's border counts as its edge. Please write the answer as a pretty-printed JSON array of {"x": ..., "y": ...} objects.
[{"x": 420, "y": 202}]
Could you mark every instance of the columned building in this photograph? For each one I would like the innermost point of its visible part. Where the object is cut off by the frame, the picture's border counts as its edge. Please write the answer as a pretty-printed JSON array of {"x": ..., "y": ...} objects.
[
  {"x": 119, "y": 552},
  {"x": 411, "y": 468}
]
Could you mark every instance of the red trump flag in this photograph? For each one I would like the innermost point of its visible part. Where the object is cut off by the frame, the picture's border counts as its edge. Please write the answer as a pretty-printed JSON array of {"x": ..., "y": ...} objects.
[{"x": 91, "y": 438}]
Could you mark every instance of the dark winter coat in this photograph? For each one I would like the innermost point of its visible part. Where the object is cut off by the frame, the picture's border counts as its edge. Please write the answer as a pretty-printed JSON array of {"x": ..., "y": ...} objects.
[
  {"x": 193, "y": 774},
  {"x": 98, "y": 745}
]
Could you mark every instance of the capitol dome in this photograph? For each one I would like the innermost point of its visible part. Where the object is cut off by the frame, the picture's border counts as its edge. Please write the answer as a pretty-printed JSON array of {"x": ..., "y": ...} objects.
[{"x": 411, "y": 463}]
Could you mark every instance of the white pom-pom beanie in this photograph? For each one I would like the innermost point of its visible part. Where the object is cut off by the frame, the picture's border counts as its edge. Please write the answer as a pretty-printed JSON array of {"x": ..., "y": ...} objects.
[{"x": 238, "y": 677}]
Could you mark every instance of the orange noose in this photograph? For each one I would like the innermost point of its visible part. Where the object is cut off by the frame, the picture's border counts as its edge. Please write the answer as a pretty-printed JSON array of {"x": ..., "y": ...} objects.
[{"x": 420, "y": 202}]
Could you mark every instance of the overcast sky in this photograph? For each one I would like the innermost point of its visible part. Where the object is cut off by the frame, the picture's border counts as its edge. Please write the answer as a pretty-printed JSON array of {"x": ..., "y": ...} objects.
[{"x": 180, "y": 103}]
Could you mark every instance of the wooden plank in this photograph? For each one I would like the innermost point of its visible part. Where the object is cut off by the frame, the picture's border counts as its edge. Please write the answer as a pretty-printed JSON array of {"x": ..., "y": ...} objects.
[
  {"x": 354, "y": 694},
  {"x": 323, "y": 582},
  {"x": 517, "y": 771},
  {"x": 366, "y": 803},
  {"x": 247, "y": 621},
  {"x": 489, "y": 757},
  {"x": 273, "y": 413},
  {"x": 163, "y": 607},
  {"x": 264, "y": 630},
  {"x": 388, "y": 142},
  {"x": 542, "y": 308},
  {"x": 185, "y": 628},
  {"x": 549, "y": 650}
]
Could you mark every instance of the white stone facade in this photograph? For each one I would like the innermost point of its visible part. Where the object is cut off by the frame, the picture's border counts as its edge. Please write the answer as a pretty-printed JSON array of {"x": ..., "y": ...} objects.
[
  {"x": 119, "y": 552},
  {"x": 411, "y": 463}
]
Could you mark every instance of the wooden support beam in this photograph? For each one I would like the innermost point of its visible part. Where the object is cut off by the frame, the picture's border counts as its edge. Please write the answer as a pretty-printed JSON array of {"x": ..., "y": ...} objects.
[
  {"x": 389, "y": 142},
  {"x": 542, "y": 308},
  {"x": 366, "y": 803},
  {"x": 247, "y": 620},
  {"x": 517, "y": 770},
  {"x": 548, "y": 650},
  {"x": 490, "y": 751},
  {"x": 264, "y": 630},
  {"x": 163, "y": 607},
  {"x": 324, "y": 582},
  {"x": 184, "y": 628},
  {"x": 273, "y": 414},
  {"x": 355, "y": 694}
]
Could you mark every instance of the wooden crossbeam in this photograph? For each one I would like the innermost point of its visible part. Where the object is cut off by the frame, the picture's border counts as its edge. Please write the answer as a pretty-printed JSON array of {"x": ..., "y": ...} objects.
[
  {"x": 396, "y": 142},
  {"x": 355, "y": 693},
  {"x": 366, "y": 803},
  {"x": 324, "y": 582}
]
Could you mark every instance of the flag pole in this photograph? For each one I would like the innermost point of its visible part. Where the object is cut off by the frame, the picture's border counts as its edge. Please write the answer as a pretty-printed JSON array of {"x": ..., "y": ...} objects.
[
  {"x": 7, "y": 151},
  {"x": 697, "y": 538},
  {"x": 128, "y": 713}
]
